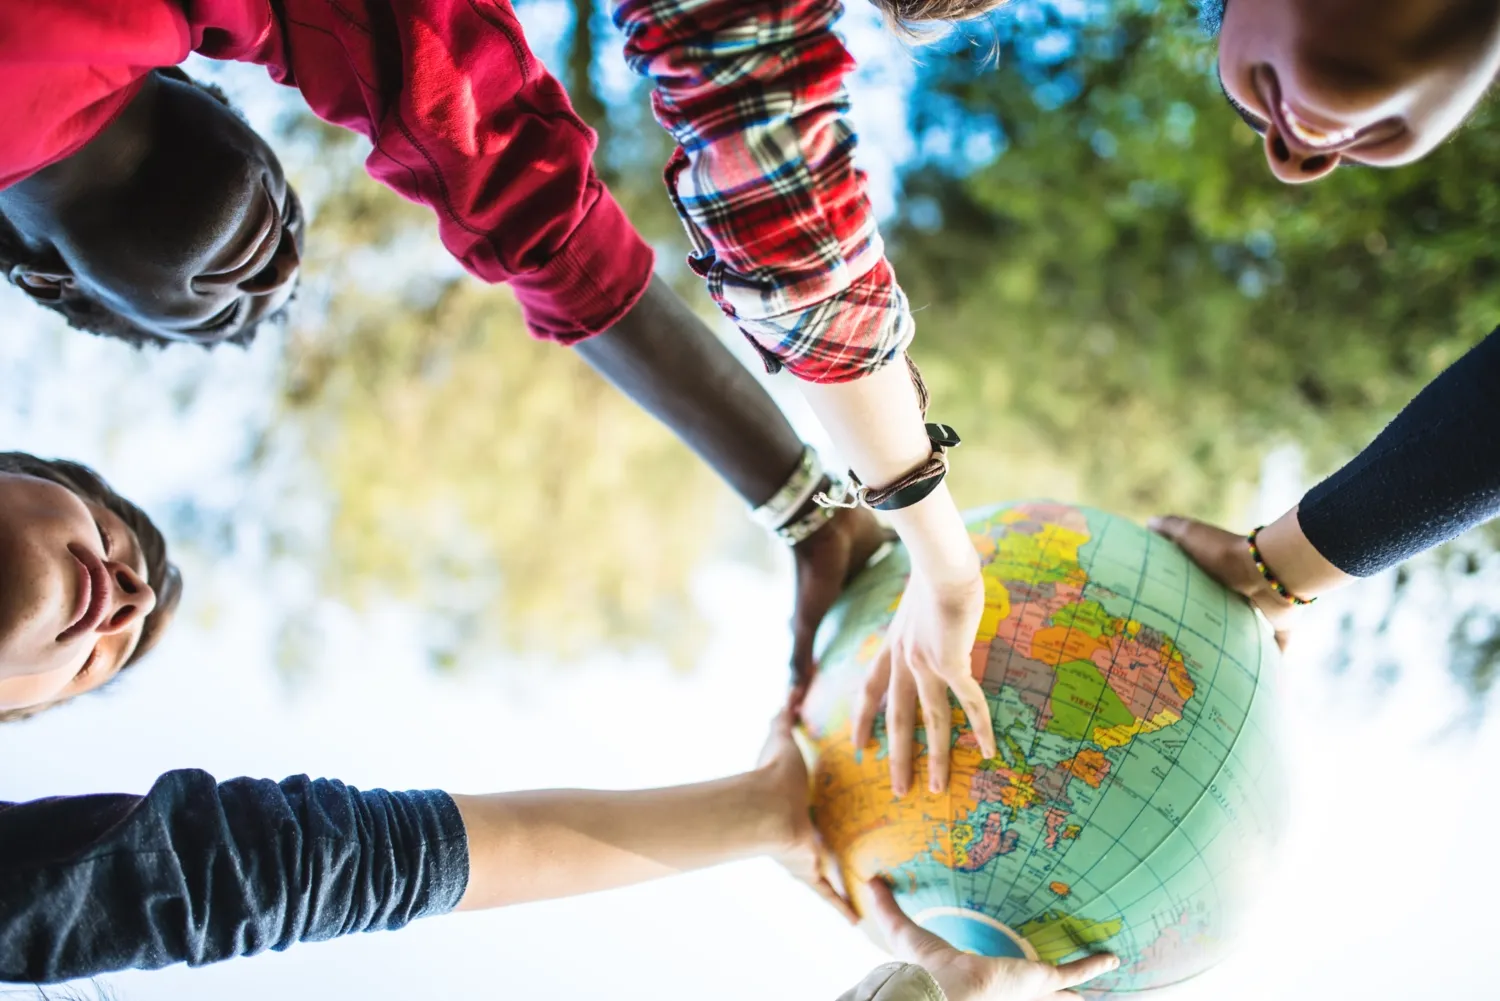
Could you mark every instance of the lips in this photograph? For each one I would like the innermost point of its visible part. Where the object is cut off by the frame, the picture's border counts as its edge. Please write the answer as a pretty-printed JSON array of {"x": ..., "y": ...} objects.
[
  {"x": 262, "y": 248},
  {"x": 1311, "y": 136},
  {"x": 1299, "y": 130},
  {"x": 93, "y": 592}
]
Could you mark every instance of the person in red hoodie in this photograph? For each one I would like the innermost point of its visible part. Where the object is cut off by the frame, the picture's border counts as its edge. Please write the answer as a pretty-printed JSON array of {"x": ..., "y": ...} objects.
[{"x": 139, "y": 205}]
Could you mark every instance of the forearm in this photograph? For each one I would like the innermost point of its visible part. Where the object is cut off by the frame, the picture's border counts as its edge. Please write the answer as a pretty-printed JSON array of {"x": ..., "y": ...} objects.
[
  {"x": 1432, "y": 474},
  {"x": 666, "y": 359},
  {"x": 876, "y": 423},
  {"x": 541, "y": 845}
]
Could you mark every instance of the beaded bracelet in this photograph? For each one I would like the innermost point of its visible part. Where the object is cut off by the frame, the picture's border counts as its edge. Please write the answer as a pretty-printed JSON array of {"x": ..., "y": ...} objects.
[{"x": 1265, "y": 572}]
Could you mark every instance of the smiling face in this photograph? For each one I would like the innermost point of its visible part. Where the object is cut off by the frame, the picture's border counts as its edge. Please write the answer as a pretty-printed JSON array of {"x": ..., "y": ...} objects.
[
  {"x": 1376, "y": 82},
  {"x": 73, "y": 597},
  {"x": 177, "y": 219}
]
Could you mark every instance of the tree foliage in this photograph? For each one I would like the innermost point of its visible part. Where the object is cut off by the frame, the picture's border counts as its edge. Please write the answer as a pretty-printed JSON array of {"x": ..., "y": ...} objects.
[{"x": 1126, "y": 293}]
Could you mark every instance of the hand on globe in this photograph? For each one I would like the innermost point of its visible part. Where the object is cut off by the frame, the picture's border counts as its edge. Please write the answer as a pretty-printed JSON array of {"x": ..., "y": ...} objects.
[
  {"x": 926, "y": 653},
  {"x": 826, "y": 562},
  {"x": 967, "y": 977},
  {"x": 1225, "y": 557},
  {"x": 795, "y": 844}
]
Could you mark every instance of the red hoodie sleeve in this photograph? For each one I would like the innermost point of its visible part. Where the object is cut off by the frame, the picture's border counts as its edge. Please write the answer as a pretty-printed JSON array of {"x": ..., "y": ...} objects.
[
  {"x": 466, "y": 120},
  {"x": 463, "y": 117}
]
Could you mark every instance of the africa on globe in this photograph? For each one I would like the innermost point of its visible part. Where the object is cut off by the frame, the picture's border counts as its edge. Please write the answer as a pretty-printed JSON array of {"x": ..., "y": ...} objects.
[{"x": 1136, "y": 797}]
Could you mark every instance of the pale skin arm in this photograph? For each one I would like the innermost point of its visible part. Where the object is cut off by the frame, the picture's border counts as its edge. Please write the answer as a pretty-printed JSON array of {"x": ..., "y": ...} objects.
[
  {"x": 541, "y": 845},
  {"x": 876, "y": 422}
]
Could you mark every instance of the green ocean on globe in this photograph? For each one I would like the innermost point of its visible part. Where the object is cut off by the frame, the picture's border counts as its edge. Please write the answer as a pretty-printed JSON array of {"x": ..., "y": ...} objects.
[{"x": 1137, "y": 797}]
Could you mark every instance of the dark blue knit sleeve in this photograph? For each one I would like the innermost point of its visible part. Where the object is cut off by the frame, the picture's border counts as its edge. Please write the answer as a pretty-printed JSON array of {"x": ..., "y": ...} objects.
[
  {"x": 1433, "y": 473},
  {"x": 196, "y": 871}
]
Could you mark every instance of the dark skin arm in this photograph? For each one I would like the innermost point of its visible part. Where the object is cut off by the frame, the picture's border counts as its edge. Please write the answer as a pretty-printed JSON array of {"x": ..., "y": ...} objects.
[{"x": 665, "y": 358}]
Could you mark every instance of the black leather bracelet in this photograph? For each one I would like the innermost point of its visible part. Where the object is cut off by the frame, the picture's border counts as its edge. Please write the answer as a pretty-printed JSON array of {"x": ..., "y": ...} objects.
[{"x": 914, "y": 494}]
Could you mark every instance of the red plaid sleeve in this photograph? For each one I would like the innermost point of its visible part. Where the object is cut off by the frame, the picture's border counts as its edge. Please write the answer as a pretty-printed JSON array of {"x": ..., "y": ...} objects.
[{"x": 764, "y": 177}]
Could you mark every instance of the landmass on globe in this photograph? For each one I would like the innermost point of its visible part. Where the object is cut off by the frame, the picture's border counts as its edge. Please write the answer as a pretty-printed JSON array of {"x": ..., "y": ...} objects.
[{"x": 1135, "y": 798}]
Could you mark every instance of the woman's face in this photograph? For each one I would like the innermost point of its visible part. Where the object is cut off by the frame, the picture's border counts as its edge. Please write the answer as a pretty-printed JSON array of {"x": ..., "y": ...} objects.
[
  {"x": 1377, "y": 82},
  {"x": 73, "y": 593}
]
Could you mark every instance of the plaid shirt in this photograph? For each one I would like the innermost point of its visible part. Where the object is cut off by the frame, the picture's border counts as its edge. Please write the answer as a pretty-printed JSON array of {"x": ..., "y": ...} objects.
[{"x": 764, "y": 177}]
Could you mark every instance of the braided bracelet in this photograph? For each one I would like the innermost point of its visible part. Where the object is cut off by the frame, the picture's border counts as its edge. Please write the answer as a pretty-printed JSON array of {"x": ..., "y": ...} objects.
[
  {"x": 910, "y": 489},
  {"x": 1265, "y": 571}
]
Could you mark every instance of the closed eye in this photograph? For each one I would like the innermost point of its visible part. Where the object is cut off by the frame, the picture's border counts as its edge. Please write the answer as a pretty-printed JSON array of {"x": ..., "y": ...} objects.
[
  {"x": 222, "y": 320},
  {"x": 88, "y": 665},
  {"x": 1250, "y": 118},
  {"x": 105, "y": 538}
]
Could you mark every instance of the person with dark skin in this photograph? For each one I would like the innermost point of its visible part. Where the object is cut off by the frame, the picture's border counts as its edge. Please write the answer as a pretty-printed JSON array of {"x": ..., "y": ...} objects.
[
  {"x": 135, "y": 204},
  {"x": 139, "y": 205}
]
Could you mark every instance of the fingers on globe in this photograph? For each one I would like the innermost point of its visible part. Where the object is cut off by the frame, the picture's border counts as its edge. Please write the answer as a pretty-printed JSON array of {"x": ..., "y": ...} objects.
[
  {"x": 824, "y": 888},
  {"x": 970, "y": 695},
  {"x": 1170, "y": 526},
  {"x": 813, "y": 603},
  {"x": 938, "y": 722},
  {"x": 1081, "y": 971},
  {"x": 869, "y": 699},
  {"x": 904, "y": 937},
  {"x": 901, "y": 727}
]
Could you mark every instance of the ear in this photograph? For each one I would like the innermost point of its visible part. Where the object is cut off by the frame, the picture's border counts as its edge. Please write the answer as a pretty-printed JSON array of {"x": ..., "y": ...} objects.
[{"x": 42, "y": 284}]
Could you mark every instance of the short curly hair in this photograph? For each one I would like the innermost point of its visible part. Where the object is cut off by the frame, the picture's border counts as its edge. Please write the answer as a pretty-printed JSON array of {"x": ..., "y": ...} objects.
[
  {"x": 163, "y": 576},
  {"x": 94, "y": 317}
]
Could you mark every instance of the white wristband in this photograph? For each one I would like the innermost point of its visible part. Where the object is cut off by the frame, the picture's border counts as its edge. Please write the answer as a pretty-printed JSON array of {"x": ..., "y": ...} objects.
[{"x": 794, "y": 493}]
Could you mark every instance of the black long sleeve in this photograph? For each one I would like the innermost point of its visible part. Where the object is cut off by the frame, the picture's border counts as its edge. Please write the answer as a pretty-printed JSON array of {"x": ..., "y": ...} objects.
[
  {"x": 196, "y": 871},
  {"x": 1431, "y": 475}
]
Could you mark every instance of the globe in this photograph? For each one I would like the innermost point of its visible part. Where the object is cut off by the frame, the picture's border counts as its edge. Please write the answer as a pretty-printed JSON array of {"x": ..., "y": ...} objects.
[{"x": 1136, "y": 798}]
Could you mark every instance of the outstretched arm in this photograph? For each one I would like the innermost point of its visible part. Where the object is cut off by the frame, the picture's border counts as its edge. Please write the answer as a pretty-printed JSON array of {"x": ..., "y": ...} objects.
[
  {"x": 765, "y": 181},
  {"x": 198, "y": 872},
  {"x": 665, "y": 358},
  {"x": 1432, "y": 474}
]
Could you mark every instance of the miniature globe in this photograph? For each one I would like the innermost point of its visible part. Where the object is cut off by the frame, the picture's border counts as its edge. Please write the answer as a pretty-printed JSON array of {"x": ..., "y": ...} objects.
[{"x": 1136, "y": 797}]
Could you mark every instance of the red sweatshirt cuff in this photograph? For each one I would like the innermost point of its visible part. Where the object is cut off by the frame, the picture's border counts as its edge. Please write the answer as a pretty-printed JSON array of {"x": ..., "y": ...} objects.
[{"x": 593, "y": 281}]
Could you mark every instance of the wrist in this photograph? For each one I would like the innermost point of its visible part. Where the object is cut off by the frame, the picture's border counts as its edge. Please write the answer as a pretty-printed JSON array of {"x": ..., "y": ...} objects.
[
  {"x": 935, "y": 536},
  {"x": 769, "y": 823},
  {"x": 1295, "y": 562}
]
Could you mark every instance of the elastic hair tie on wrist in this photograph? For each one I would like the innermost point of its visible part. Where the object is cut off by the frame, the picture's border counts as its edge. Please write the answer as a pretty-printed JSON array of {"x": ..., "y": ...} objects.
[{"x": 1265, "y": 571}]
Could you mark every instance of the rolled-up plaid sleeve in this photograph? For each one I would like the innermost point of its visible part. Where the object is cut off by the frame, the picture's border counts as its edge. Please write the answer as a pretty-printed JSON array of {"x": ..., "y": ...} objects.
[{"x": 764, "y": 178}]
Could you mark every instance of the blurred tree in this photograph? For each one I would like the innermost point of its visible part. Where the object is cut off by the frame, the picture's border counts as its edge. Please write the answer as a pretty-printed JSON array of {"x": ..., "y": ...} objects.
[{"x": 492, "y": 479}]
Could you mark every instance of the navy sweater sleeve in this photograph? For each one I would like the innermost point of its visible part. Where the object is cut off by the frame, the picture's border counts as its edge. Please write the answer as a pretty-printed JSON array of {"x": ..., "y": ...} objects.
[
  {"x": 1433, "y": 473},
  {"x": 196, "y": 871}
]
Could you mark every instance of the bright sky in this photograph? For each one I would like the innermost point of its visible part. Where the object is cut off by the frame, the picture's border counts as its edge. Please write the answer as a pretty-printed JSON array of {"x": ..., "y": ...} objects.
[{"x": 1385, "y": 890}]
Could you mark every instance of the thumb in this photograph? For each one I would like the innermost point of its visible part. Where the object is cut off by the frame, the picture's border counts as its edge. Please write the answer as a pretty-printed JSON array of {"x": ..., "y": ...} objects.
[
  {"x": 907, "y": 939},
  {"x": 816, "y": 594},
  {"x": 1170, "y": 526}
]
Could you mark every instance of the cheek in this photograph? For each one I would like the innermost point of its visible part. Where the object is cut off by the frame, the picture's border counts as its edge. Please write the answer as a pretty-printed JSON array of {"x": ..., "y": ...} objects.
[{"x": 31, "y": 690}]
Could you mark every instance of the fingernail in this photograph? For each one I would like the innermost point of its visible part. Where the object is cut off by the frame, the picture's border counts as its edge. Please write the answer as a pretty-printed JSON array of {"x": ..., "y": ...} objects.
[
  {"x": 935, "y": 786},
  {"x": 1114, "y": 962},
  {"x": 1155, "y": 523}
]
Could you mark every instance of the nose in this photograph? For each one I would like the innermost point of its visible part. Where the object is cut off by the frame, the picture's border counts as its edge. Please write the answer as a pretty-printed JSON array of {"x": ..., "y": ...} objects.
[
  {"x": 1293, "y": 167},
  {"x": 130, "y": 599},
  {"x": 280, "y": 271}
]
